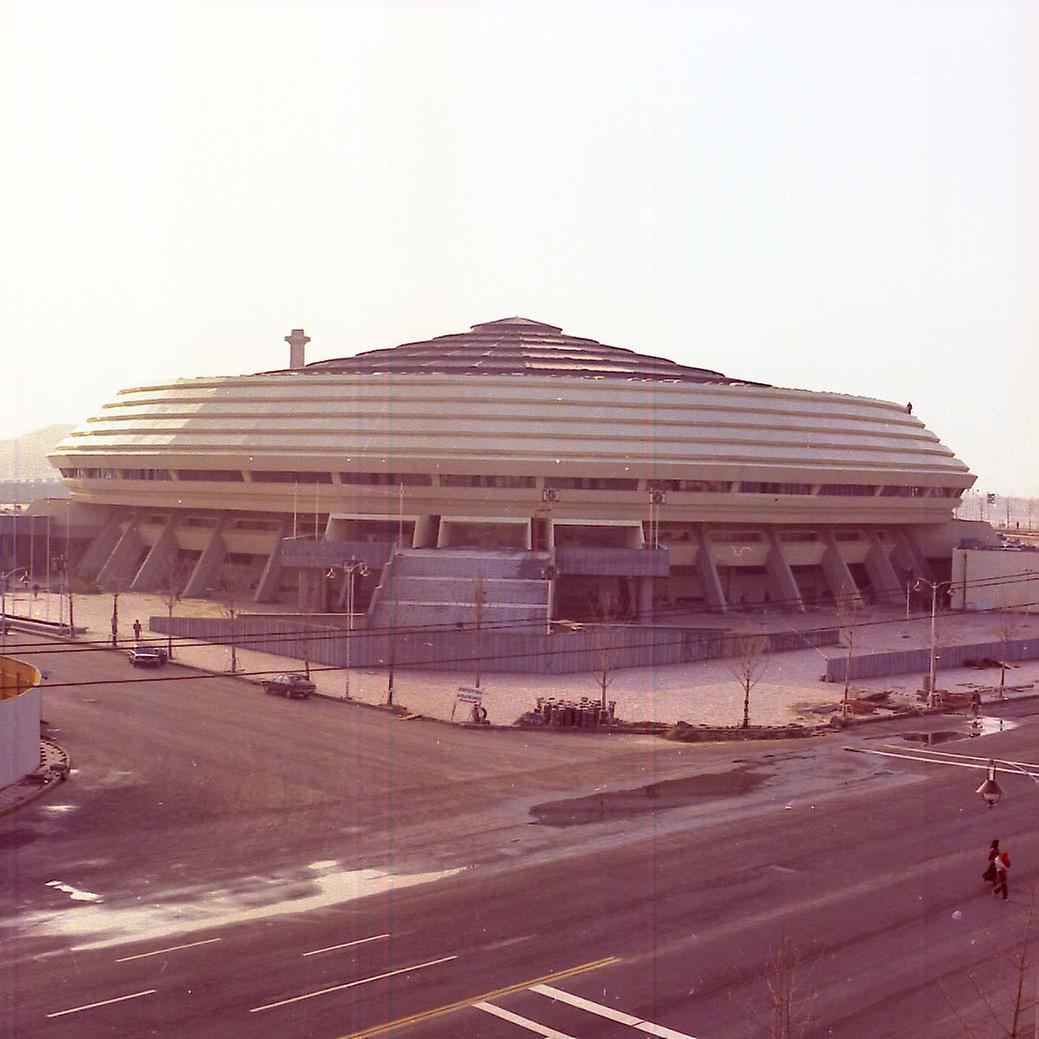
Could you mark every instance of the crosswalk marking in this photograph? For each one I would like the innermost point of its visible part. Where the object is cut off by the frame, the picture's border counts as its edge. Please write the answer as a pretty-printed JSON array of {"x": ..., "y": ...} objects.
[
  {"x": 608, "y": 1012},
  {"x": 524, "y": 1022}
]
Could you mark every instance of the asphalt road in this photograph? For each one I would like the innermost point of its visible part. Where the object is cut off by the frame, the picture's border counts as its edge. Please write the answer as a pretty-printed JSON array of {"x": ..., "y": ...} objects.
[{"x": 213, "y": 845}]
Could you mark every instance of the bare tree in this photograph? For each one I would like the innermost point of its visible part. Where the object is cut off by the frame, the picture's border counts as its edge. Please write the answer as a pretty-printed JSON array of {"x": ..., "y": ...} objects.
[
  {"x": 115, "y": 586},
  {"x": 748, "y": 665},
  {"x": 171, "y": 589},
  {"x": 789, "y": 1004},
  {"x": 607, "y": 631},
  {"x": 850, "y": 612},
  {"x": 233, "y": 591},
  {"x": 1006, "y": 1006},
  {"x": 1007, "y": 631}
]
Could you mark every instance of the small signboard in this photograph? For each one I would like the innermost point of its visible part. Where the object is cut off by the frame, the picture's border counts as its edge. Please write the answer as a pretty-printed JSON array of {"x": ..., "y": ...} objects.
[{"x": 467, "y": 695}]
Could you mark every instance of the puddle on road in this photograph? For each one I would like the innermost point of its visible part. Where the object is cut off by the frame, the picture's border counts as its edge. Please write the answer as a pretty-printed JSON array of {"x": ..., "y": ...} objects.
[
  {"x": 256, "y": 898},
  {"x": 655, "y": 797},
  {"x": 974, "y": 728}
]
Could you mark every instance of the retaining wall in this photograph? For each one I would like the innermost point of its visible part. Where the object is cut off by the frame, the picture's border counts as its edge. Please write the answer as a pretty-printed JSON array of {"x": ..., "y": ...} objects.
[
  {"x": 907, "y": 661},
  {"x": 532, "y": 652}
]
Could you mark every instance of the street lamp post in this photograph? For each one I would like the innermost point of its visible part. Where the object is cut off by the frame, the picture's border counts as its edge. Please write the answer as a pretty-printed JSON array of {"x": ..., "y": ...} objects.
[
  {"x": 351, "y": 570},
  {"x": 934, "y": 586}
]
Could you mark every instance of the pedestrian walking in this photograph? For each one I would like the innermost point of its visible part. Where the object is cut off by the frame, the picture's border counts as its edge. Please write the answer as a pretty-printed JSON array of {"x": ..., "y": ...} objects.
[
  {"x": 136, "y": 630},
  {"x": 1002, "y": 864},
  {"x": 989, "y": 876}
]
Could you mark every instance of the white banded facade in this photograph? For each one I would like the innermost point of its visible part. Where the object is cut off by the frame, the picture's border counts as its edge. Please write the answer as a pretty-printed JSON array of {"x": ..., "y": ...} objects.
[{"x": 513, "y": 437}]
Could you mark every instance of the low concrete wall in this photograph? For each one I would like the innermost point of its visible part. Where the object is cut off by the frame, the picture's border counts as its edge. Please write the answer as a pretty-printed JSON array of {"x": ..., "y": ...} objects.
[
  {"x": 20, "y": 701},
  {"x": 907, "y": 661},
  {"x": 530, "y": 652}
]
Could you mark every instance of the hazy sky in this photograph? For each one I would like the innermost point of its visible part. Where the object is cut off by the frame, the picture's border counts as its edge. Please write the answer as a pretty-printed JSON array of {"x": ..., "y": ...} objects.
[{"x": 825, "y": 195}]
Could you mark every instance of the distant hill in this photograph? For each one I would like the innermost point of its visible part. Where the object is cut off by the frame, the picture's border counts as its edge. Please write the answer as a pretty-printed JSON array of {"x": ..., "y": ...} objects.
[{"x": 25, "y": 457}]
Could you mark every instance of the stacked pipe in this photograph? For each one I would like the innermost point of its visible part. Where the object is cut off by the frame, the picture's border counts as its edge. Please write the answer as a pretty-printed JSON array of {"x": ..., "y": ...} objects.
[{"x": 581, "y": 714}]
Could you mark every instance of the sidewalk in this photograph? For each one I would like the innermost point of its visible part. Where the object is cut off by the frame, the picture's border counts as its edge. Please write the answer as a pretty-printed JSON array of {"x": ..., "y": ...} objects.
[{"x": 705, "y": 692}]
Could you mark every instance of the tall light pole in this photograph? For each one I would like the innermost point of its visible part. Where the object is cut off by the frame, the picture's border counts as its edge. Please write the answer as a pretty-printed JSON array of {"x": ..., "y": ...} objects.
[
  {"x": 934, "y": 586},
  {"x": 656, "y": 499},
  {"x": 351, "y": 570}
]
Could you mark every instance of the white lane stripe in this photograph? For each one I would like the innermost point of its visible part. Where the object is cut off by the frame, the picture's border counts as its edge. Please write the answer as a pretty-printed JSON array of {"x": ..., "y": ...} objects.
[
  {"x": 351, "y": 984},
  {"x": 524, "y": 1022},
  {"x": 346, "y": 945},
  {"x": 608, "y": 1012},
  {"x": 103, "y": 1003},
  {"x": 964, "y": 757},
  {"x": 172, "y": 948},
  {"x": 932, "y": 761}
]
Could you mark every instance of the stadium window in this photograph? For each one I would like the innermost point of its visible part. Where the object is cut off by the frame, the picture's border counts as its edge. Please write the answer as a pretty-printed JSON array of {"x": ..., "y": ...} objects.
[
  {"x": 282, "y": 476},
  {"x": 480, "y": 480},
  {"x": 691, "y": 486},
  {"x": 145, "y": 474},
  {"x": 589, "y": 483},
  {"x": 736, "y": 537},
  {"x": 211, "y": 475},
  {"x": 386, "y": 479},
  {"x": 901, "y": 491},
  {"x": 775, "y": 488},
  {"x": 849, "y": 490}
]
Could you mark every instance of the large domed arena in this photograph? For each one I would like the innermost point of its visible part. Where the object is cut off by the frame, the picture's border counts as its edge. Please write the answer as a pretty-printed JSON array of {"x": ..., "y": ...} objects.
[{"x": 564, "y": 473}]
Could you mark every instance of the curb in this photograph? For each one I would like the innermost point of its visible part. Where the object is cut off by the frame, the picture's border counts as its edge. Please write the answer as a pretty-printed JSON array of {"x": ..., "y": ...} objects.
[{"x": 25, "y": 793}]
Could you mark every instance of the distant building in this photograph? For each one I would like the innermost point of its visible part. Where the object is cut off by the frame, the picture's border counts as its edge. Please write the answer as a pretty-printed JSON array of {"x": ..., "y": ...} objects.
[{"x": 586, "y": 474}]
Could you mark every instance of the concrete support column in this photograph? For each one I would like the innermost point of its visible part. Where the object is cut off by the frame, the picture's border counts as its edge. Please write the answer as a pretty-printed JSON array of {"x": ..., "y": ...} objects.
[
  {"x": 645, "y": 600},
  {"x": 881, "y": 573},
  {"x": 311, "y": 591},
  {"x": 121, "y": 566},
  {"x": 270, "y": 579},
  {"x": 708, "y": 571},
  {"x": 783, "y": 581},
  {"x": 157, "y": 563},
  {"x": 836, "y": 571},
  {"x": 101, "y": 547},
  {"x": 908, "y": 555},
  {"x": 208, "y": 566}
]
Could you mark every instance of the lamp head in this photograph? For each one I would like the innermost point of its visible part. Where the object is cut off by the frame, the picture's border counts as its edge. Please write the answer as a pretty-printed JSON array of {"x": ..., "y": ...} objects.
[{"x": 990, "y": 791}]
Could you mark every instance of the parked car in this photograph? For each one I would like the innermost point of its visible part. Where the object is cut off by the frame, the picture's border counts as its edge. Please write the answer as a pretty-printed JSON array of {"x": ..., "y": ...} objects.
[
  {"x": 289, "y": 684},
  {"x": 148, "y": 656}
]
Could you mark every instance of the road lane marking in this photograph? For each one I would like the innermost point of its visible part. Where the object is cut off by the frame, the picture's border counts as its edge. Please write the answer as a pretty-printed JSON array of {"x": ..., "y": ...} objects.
[
  {"x": 965, "y": 757},
  {"x": 346, "y": 945},
  {"x": 461, "y": 1004},
  {"x": 524, "y": 1022},
  {"x": 608, "y": 1012},
  {"x": 352, "y": 984},
  {"x": 172, "y": 948},
  {"x": 103, "y": 1003},
  {"x": 978, "y": 763}
]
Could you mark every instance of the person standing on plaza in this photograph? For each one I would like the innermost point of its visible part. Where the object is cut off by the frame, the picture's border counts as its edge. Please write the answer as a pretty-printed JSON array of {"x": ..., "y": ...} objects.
[{"x": 136, "y": 630}]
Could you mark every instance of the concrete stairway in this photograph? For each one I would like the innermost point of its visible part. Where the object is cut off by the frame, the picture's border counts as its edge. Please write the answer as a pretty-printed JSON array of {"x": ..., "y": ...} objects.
[{"x": 437, "y": 588}]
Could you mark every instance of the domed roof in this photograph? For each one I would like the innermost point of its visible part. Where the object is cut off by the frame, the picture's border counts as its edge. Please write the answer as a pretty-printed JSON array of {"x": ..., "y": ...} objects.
[{"x": 517, "y": 346}]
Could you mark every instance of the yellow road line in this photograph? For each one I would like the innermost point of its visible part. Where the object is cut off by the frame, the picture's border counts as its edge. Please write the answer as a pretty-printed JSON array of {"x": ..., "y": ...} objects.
[{"x": 426, "y": 1015}]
